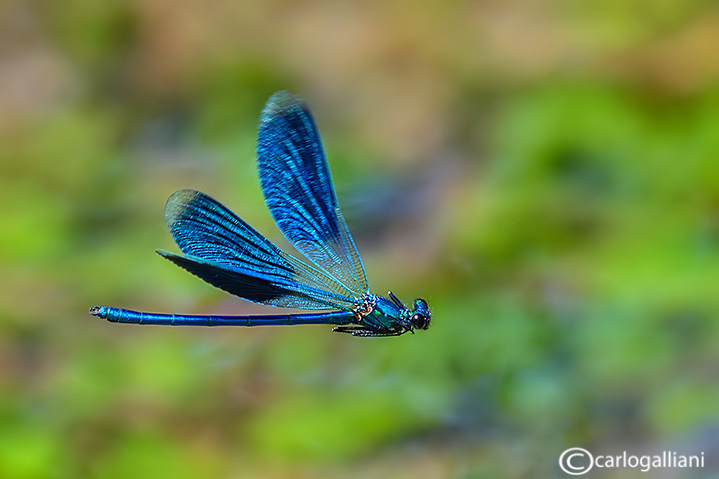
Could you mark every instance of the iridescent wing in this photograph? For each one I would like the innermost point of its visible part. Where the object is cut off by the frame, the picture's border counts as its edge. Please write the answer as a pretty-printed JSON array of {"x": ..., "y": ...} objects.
[
  {"x": 226, "y": 252},
  {"x": 299, "y": 193}
]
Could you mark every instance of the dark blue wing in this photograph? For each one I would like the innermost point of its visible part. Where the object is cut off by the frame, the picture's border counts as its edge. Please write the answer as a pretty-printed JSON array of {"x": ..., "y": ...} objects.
[
  {"x": 249, "y": 285},
  {"x": 298, "y": 191},
  {"x": 223, "y": 250}
]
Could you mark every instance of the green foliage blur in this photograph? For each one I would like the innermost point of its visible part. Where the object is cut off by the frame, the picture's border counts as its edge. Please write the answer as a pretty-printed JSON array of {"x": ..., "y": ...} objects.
[{"x": 545, "y": 174}]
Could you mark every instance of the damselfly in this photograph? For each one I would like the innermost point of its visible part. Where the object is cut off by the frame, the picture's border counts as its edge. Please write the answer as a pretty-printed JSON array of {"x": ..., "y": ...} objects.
[{"x": 223, "y": 250}]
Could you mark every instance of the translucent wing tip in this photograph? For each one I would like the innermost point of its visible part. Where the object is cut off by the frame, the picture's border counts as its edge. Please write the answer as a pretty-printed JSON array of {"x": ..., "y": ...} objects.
[
  {"x": 279, "y": 104},
  {"x": 177, "y": 204}
]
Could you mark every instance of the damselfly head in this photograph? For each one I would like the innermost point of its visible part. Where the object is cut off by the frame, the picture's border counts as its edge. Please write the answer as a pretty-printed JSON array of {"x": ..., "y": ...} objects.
[{"x": 421, "y": 316}]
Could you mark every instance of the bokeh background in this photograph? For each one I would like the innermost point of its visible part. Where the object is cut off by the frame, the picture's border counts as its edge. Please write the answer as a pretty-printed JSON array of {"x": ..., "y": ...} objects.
[{"x": 545, "y": 174}]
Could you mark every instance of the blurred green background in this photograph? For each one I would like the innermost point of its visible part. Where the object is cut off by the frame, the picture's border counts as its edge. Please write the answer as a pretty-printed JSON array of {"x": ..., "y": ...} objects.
[{"x": 545, "y": 174}]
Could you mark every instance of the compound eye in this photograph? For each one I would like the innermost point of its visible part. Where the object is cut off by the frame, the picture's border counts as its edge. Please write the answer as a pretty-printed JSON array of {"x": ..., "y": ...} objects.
[{"x": 419, "y": 321}]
